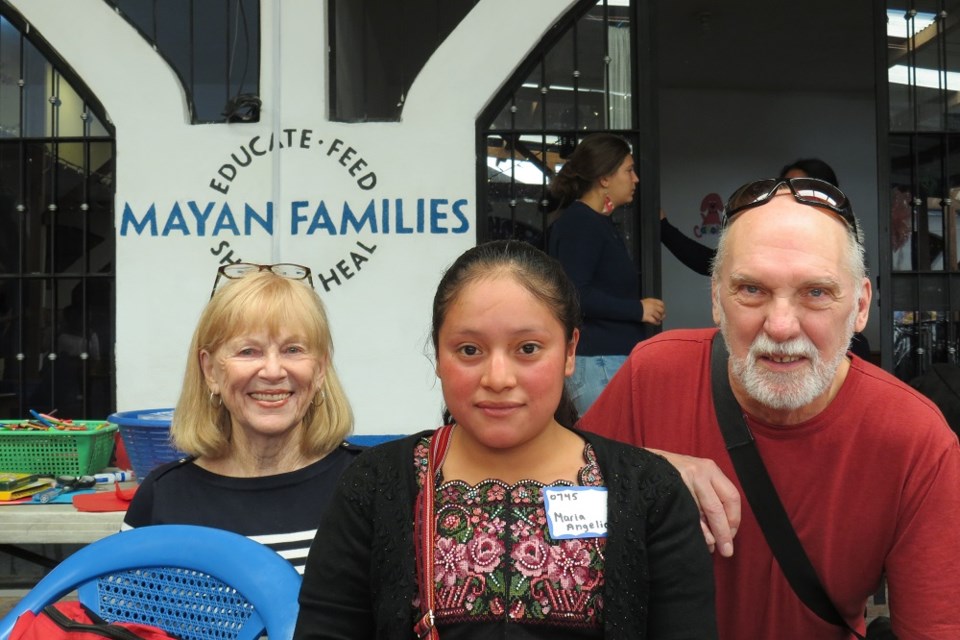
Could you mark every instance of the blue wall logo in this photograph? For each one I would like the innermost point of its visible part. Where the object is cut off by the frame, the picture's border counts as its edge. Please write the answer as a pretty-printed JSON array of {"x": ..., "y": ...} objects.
[
  {"x": 380, "y": 216},
  {"x": 220, "y": 219}
]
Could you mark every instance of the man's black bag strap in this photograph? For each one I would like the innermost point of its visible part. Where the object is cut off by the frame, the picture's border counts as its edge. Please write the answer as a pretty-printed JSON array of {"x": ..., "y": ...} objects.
[{"x": 762, "y": 495}]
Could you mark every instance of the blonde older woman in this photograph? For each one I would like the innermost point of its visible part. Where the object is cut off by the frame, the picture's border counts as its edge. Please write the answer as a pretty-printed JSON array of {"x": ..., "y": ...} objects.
[{"x": 261, "y": 414}]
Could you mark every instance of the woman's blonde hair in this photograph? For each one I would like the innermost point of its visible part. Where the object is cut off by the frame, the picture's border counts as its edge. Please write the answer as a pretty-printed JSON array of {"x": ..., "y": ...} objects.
[{"x": 261, "y": 300}]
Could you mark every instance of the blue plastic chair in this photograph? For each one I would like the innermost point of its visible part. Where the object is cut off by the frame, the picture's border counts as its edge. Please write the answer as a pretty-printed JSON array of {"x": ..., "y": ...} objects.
[{"x": 195, "y": 582}]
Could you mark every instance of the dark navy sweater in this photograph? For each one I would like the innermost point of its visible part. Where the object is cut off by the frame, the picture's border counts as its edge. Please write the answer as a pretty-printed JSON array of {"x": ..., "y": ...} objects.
[{"x": 595, "y": 257}]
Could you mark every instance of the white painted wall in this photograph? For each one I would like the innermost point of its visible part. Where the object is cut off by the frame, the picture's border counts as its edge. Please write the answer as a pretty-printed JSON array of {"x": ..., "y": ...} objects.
[
  {"x": 380, "y": 315},
  {"x": 715, "y": 141}
]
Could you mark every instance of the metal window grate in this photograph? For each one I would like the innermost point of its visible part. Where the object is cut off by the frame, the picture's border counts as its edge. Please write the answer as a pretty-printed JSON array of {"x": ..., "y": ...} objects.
[
  {"x": 920, "y": 279},
  {"x": 580, "y": 80},
  {"x": 56, "y": 235}
]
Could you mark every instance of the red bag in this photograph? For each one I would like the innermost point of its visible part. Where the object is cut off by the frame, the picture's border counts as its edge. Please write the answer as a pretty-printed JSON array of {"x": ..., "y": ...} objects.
[{"x": 73, "y": 621}]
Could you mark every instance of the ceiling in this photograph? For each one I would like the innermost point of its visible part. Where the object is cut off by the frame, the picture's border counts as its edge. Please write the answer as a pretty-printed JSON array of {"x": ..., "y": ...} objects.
[{"x": 752, "y": 45}]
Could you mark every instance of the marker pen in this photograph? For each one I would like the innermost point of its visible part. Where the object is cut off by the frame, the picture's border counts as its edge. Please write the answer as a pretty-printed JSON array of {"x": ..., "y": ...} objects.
[
  {"x": 113, "y": 476},
  {"x": 40, "y": 418}
]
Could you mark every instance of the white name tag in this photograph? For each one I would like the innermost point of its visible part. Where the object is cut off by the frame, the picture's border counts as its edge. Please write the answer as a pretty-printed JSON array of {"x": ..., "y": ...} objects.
[{"x": 576, "y": 512}]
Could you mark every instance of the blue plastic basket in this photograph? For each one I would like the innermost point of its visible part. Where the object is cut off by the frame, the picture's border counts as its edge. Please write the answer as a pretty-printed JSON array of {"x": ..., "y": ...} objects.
[{"x": 146, "y": 438}]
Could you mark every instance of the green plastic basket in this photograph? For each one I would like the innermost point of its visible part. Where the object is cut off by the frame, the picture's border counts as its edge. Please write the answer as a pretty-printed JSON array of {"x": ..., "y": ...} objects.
[{"x": 69, "y": 453}]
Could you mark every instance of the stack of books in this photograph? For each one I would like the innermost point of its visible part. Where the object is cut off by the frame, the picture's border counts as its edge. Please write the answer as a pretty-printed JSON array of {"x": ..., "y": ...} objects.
[{"x": 15, "y": 486}]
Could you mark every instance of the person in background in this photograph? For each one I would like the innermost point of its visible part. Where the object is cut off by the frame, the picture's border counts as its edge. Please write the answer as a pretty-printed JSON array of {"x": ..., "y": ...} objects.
[
  {"x": 597, "y": 178},
  {"x": 866, "y": 468},
  {"x": 261, "y": 415},
  {"x": 699, "y": 257},
  {"x": 505, "y": 562}
]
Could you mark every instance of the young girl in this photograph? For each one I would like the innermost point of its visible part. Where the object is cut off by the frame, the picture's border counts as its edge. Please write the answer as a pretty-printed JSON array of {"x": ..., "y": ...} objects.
[{"x": 532, "y": 529}]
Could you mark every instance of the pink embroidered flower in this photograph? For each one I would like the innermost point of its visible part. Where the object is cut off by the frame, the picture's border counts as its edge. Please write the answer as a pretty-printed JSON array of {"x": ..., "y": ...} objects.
[
  {"x": 494, "y": 527},
  {"x": 530, "y": 557},
  {"x": 520, "y": 495},
  {"x": 496, "y": 606},
  {"x": 496, "y": 493},
  {"x": 477, "y": 515},
  {"x": 484, "y": 553},
  {"x": 450, "y": 561},
  {"x": 420, "y": 457},
  {"x": 544, "y": 605},
  {"x": 569, "y": 563},
  {"x": 517, "y": 609},
  {"x": 520, "y": 530},
  {"x": 449, "y": 494},
  {"x": 450, "y": 521}
]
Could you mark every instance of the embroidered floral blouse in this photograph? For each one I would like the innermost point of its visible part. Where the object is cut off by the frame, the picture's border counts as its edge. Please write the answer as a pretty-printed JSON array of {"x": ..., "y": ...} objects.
[{"x": 496, "y": 563}]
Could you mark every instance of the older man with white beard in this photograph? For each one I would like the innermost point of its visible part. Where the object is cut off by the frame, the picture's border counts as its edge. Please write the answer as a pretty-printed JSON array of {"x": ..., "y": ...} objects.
[{"x": 866, "y": 468}]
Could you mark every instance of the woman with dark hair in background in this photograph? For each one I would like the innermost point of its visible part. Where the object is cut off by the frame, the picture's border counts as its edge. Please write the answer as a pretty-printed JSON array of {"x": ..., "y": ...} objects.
[{"x": 597, "y": 178}]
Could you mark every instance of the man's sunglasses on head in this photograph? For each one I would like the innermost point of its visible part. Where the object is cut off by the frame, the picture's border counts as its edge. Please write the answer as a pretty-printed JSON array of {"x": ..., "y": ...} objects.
[{"x": 808, "y": 191}]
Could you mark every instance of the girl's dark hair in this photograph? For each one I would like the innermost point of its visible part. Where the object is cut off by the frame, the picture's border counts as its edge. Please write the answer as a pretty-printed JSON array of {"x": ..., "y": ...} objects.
[
  {"x": 814, "y": 168},
  {"x": 536, "y": 272},
  {"x": 598, "y": 155}
]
